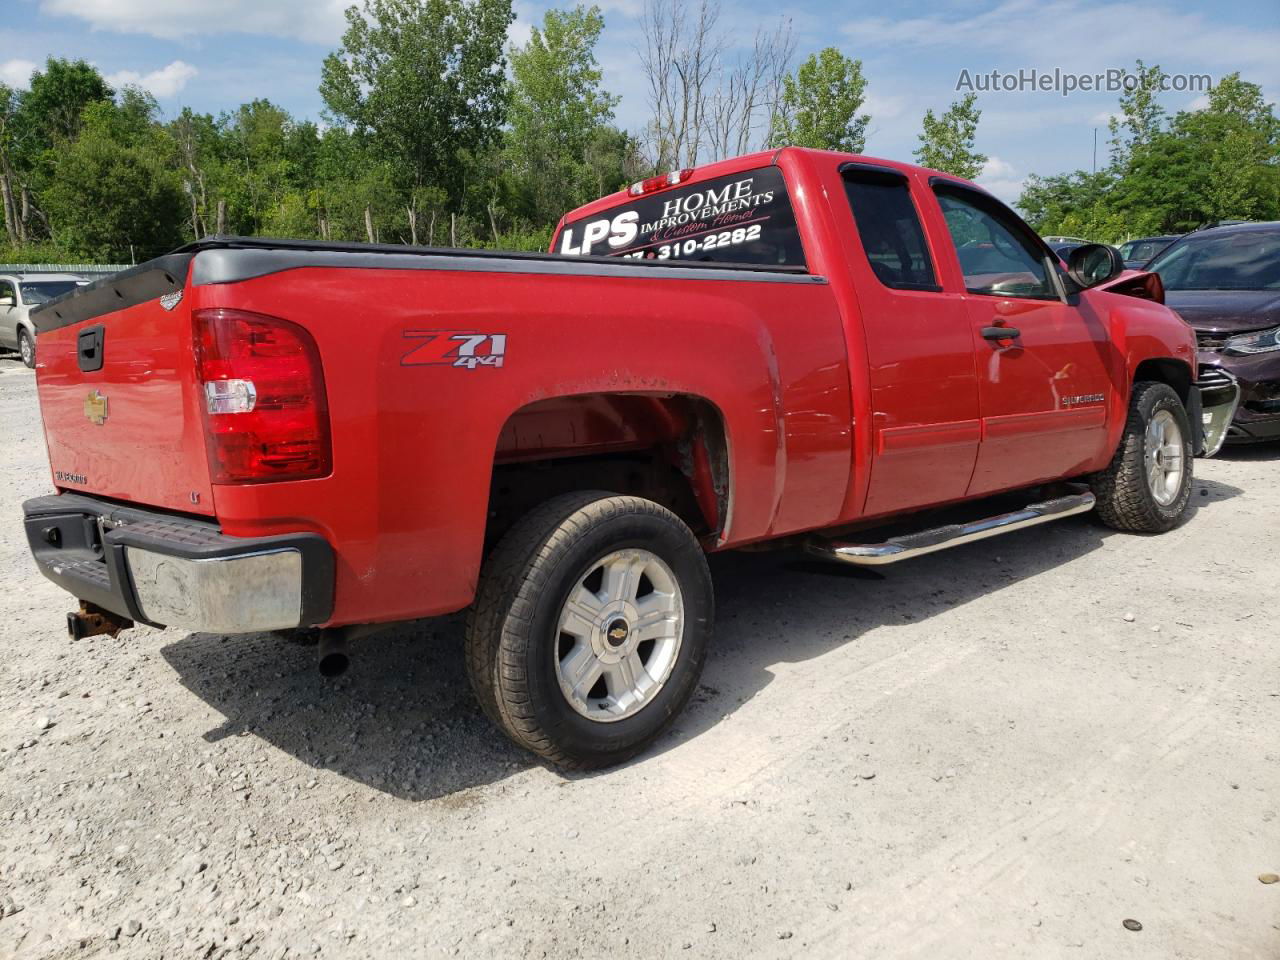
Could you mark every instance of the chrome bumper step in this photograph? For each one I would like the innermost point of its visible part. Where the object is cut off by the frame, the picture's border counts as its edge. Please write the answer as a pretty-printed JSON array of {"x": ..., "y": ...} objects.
[{"x": 1080, "y": 500}]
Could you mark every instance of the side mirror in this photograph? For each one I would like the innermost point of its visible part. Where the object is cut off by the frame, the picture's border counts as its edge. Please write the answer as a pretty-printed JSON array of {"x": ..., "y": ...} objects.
[{"x": 1094, "y": 263}]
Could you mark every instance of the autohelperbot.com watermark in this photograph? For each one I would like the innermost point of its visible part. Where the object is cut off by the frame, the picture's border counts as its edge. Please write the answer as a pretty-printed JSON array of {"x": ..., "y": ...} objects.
[{"x": 1066, "y": 82}]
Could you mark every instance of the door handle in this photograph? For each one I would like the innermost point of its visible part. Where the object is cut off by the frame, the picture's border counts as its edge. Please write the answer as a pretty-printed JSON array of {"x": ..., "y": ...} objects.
[
  {"x": 89, "y": 348},
  {"x": 1001, "y": 333}
]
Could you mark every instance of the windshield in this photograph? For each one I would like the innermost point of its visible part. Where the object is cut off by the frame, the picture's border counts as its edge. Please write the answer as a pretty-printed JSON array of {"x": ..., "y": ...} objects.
[
  {"x": 1240, "y": 260},
  {"x": 742, "y": 218},
  {"x": 1143, "y": 250},
  {"x": 45, "y": 291}
]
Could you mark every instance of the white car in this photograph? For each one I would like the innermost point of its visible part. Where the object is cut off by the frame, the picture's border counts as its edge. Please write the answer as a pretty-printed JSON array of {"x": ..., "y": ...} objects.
[{"x": 19, "y": 292}]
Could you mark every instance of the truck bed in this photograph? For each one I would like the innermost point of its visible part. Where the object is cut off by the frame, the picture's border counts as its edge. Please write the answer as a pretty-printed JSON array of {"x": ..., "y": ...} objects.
[{"x": 415, "y": 435}]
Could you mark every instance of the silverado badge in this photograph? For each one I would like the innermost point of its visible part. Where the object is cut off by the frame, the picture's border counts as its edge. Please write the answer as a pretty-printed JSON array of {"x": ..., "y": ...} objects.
[{"x": 95, "y": 408}]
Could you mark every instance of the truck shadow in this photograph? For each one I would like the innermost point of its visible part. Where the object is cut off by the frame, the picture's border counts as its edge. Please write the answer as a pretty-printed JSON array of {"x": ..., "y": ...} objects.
[
  {"x": 1243, "y": 452},
  {"x": 403, "y": 720}
]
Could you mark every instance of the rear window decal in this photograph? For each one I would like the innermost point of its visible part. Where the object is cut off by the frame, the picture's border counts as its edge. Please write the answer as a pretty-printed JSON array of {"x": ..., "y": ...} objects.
[{"x": 742, "y": 218}]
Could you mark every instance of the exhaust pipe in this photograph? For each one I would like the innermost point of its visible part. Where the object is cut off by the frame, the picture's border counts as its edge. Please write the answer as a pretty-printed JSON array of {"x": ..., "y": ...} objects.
[
  {"x": 334, "y": 652},
  {"x": 334, "y": 658}
]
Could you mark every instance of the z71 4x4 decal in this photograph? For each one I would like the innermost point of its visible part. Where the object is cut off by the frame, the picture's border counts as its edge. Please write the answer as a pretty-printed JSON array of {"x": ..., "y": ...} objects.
[{"x": 455, "y": 348}]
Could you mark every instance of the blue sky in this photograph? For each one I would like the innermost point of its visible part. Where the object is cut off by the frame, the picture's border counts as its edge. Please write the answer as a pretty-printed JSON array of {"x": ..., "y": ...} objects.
[{"x": 213, "y": 54}]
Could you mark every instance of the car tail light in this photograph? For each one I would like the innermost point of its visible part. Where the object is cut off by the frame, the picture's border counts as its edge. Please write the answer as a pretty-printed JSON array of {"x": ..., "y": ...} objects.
[
  {"x": 650, "y": 184},
  {"x": 262, "y": 390}
]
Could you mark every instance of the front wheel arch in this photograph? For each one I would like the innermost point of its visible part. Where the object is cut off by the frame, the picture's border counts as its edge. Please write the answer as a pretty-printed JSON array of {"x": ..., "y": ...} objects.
[{"x": 1168, "y": 370}]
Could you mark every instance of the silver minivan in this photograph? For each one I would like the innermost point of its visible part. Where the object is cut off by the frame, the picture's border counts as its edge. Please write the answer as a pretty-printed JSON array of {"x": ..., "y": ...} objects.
[{"x": 19, "y": 292}]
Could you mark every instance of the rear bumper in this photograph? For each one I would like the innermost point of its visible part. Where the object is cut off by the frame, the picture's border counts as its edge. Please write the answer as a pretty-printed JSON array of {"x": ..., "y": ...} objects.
[{"x": 168, "y": 570}]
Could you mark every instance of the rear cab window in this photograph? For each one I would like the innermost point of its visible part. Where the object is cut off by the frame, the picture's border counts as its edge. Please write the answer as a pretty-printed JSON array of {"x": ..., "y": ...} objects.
[
  {"x": 743, "y": 218},
  {"x": 889, "y": 228}
]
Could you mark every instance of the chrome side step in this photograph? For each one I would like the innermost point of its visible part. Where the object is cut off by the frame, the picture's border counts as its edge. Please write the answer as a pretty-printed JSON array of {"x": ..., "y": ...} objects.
[{"x": 1081, "y": 500}]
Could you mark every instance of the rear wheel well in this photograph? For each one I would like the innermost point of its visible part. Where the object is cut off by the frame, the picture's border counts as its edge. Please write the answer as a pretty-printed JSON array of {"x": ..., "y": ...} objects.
[
  {"x": 668, "y": 449},
  {"x": 1167, "y": 370}
]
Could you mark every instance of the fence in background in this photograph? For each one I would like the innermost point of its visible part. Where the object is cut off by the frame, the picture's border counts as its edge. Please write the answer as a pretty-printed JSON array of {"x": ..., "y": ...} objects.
[{"x": 83, "y": 268}]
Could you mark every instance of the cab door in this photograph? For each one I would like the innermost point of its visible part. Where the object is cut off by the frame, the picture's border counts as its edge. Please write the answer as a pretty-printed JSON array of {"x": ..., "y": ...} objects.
[
  {"x": 1043, "y": 381},
  {"x": 924, "y": 391}
]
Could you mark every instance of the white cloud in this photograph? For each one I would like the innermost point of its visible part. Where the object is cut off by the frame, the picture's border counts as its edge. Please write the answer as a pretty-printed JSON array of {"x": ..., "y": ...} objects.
[
  {"x": 313, "y": 21},
  {"x": 162, "y": 83},
  {"x": 527, "y": 17},
  {"x": 884, "y": 106},
  {"x": 1012, "y": 33},
  {"x": 995, "y": 167},
  {"x": 17, "y": 73},
  {"x": 1001, "y": 178}
]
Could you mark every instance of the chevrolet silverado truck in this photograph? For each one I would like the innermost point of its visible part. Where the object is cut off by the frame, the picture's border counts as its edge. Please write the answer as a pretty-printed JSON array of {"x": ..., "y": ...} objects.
[{"x": 861, "y": 359}]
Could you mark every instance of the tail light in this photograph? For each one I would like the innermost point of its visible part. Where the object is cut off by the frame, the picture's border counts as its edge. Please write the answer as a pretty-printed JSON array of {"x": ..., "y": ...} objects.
[{"x": 262, "y": 387}]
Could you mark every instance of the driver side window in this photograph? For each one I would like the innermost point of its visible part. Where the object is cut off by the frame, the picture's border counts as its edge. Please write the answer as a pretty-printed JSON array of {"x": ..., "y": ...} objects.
[{"x": 996, "y": 257}]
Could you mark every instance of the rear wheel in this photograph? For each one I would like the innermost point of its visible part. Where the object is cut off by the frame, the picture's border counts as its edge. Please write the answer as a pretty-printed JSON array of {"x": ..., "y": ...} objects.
[
  {"x": 27, "y": 347},
  {"x": 590, "y": 627},
  {"x": 1147, "y": 485}
]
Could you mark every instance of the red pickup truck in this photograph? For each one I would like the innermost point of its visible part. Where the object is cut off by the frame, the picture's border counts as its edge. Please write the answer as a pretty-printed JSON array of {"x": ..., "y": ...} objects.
[{"x": 825, "y": 351}]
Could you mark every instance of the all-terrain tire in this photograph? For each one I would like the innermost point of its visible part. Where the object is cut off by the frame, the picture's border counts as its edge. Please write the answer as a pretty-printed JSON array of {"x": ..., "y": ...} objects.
[
  {"x": 1126, "y": 500},
  {"x": 513, "y": 628}
]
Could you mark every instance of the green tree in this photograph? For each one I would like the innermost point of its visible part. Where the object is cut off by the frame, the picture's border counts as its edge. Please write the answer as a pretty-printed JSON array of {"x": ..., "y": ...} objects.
[
  {"x": 1170, "y": 176},
  {"x": 558, "y": 111},
  {"x": 1236, "y": 140},
  {"x": 255, "y": 169},
  {"x": 820, "y": 103},
  {"x": 9, "y": 104},
  {"x": 946, "y": 143},
  {"x": 424, "y": 82},
  {"x": 113, "y": 193},
  {"x": 35, "y": 124},
  {"x": 52, "y": 107},
  {"x": 1141, "y": 117}
]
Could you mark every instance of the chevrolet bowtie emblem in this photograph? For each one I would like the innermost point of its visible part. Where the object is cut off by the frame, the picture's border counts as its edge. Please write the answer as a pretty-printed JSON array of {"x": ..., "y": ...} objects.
[
  {"x": 95, "y": 408},
  {"x": 618, "y": 633}
]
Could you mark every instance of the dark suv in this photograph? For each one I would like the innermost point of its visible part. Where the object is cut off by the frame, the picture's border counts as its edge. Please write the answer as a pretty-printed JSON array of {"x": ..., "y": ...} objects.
[
  {"x": 1138, "y": 253},
  {"x": 1225, "y": 282}
]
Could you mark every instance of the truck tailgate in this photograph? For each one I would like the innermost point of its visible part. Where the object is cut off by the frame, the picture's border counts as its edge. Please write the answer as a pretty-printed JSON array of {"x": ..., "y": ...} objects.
[{"x": 116, "y": 378}]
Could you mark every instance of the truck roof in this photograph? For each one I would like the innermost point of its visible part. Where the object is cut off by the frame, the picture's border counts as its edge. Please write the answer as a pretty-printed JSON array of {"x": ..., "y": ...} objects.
[
  {"x": 751, "y": 161},
  {"x": 28, "y": 275}
]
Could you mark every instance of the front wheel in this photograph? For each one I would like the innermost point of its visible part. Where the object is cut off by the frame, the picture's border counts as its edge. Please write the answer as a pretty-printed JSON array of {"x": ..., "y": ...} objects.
[
  {"x": 1147, "y": 485},
  {"x": 590, "y": 627}
]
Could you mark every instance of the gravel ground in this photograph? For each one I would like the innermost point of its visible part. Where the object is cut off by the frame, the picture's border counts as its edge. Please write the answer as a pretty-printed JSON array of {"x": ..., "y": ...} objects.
[{"x": 1006, "y": 750}]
